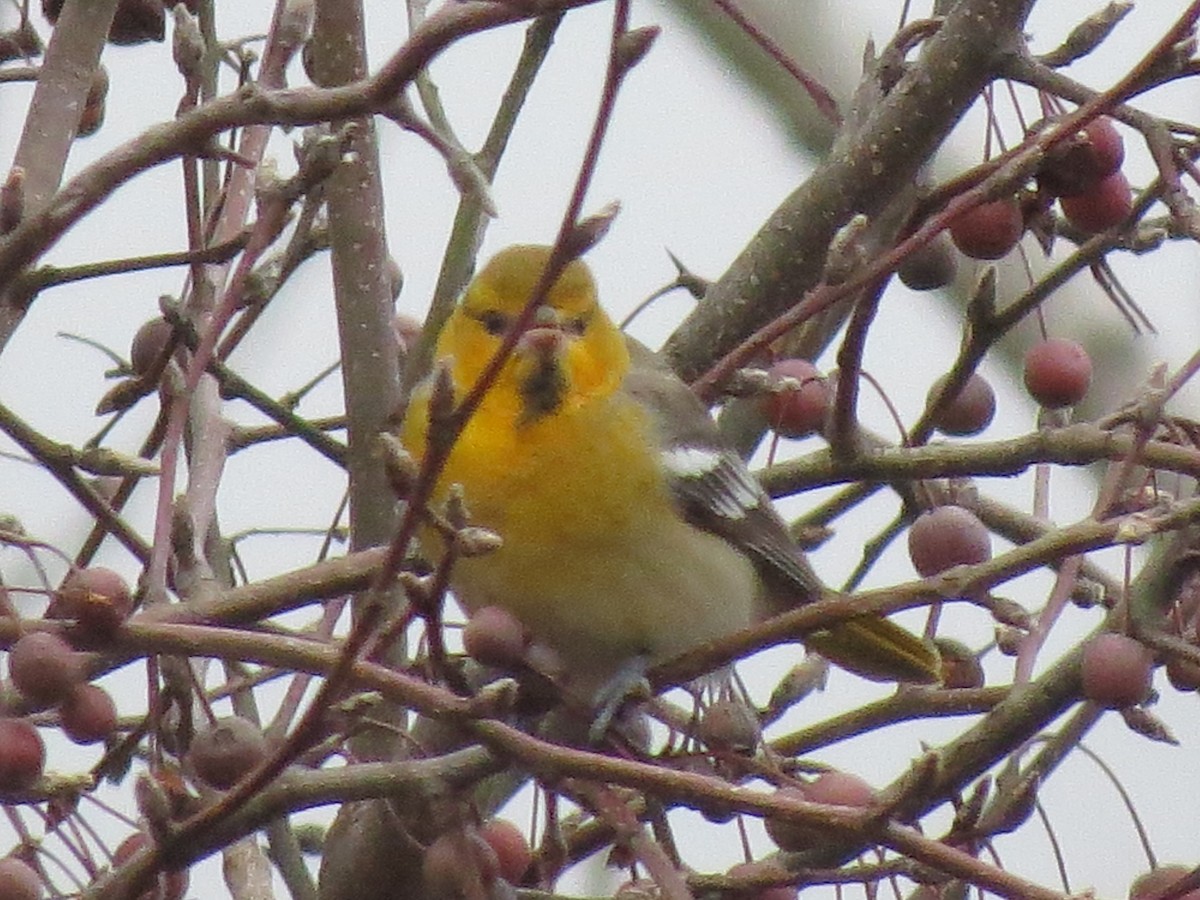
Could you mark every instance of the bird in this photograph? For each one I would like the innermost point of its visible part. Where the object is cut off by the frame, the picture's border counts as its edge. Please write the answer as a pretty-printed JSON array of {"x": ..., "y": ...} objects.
[{"x": 628, "y": 532}]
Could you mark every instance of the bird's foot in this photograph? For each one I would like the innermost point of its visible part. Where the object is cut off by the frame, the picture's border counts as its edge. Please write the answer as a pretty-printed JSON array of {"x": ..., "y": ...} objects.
[{"x": 627, "y": 684}]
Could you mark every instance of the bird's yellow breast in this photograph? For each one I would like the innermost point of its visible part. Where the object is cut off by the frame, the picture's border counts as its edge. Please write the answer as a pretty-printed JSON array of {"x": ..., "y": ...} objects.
[{"x": 595, "y": 560}]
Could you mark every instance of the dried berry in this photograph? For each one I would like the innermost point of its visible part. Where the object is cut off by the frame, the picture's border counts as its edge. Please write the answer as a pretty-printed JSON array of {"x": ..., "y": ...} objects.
[{"x": 225, "y": 751}]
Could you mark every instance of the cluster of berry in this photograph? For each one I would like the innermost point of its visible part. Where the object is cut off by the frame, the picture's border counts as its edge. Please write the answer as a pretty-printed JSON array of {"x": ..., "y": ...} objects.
[{"x": 1083, "y": 174}]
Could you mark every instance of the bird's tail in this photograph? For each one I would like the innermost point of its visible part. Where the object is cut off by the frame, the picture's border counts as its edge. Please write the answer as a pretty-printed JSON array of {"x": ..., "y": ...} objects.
[{"x": 878, "y": 649}]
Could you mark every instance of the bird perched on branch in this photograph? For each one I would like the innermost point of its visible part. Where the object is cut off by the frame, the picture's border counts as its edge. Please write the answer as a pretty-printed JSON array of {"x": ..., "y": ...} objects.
[{"x": 629, "y": 533}]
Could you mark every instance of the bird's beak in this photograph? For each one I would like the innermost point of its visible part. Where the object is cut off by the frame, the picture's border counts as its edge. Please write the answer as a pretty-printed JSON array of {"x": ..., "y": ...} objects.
[
  {"x": 546, "y": 339},
  {"x": 540, "y": 358}
]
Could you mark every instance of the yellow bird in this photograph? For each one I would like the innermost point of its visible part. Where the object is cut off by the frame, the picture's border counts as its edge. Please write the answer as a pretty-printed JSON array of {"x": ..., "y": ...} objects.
[{"x": 630, "y": 534}]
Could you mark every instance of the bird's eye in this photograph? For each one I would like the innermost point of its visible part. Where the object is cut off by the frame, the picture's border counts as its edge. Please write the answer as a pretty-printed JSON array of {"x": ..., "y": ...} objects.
[
  {"x": 495, "y": 323},
  {"x": 577, "y": 325}
]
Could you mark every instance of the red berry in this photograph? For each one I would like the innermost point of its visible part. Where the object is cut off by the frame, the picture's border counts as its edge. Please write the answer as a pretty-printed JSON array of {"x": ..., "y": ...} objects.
[
  {"x": 1075, "y": 166},
  {"x": 172, "y": 884},
  {"x": 19, "y": 880},
  {"x": 510, "y": 846},
  {"x": 459, "y": 864},
  {"x": 834, "y": 788},
  {"x": 223, "y": 752},
  {"x": 44, "y": 668},
  {"x": 729, "y": 724},
  {"x": 970, "y": 411},
  {"x": 989, "y": 230},
  {"x": 1116, "y": 670},
  {"x": 495, "y": 637},
  {"x": 790, "y": 836},
  {"x": 1106, "y": 203},
  {"x": 1106, "y": 147},
  {"x": 1058, "y": 372},
  {"x": 945, "y": 537},
  {"x": 763, "y": 868},
  {"x": 88, "y": 714},
  {"x": 798, "y": 411},
  {"x": 129, "y": 847},
  {"x": 929, "y": 267},
  {"x": 22, "y": 754},
  {"x": 837, "y": 788}
]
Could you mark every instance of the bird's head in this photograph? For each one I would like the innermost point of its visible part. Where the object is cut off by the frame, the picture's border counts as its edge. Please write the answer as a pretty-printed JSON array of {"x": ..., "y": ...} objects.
[{"x": 571, "y": 352}]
